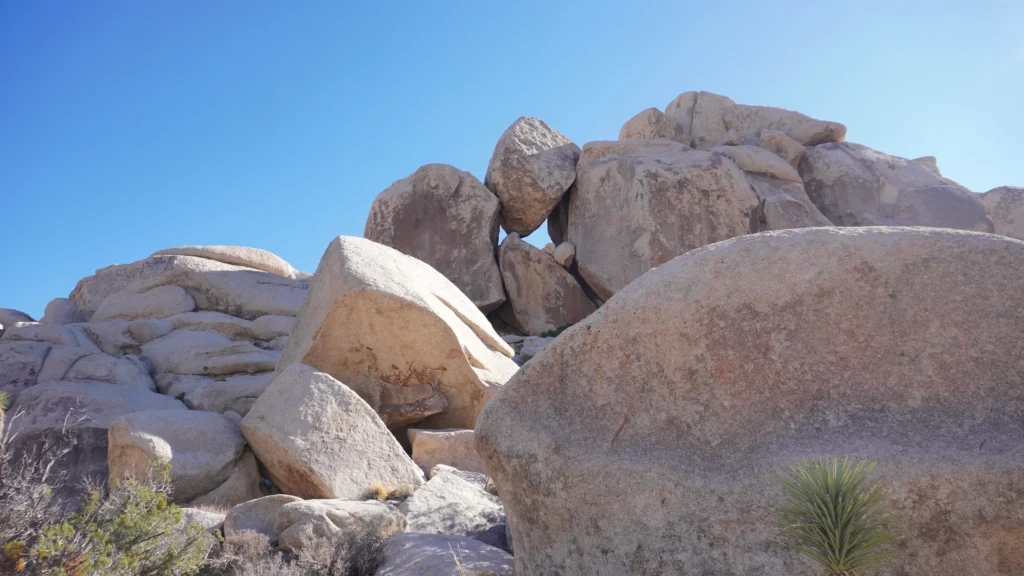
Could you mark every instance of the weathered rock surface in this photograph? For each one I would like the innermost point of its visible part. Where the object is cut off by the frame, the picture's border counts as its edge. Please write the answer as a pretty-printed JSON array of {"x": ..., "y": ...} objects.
[
  {"x": 271, "y": 326},
  {"x": 779, "y": 187},
  {"x": 452, "y": 447},
  {"x": 441, "y": 555},
  {"x": 1005, "y": 206},
  {"x": 61, "y": 311},
  {"x": 308, "y": 528},
  {"x": 257, "y": 515},
  {"x": 209, "y": 521},
  {"x": 564, "y": 254},
  {"x": 711, "y": 119},
  {"x": 854, "y": 185},
  {"x": 448, "y": 219},
  {"x": 237, "y": 256},
  {"x": 20, "y": 364},
  {"x": 318, "y": 439},
  {"x": 542, "y": 295},
  {"x": 235, "y": 392},
  {"x": 125, "y": 337},
  {"x": 53, "y": 333},
  {"x": 159, "y": 302},
  {"x": 783, "y": 146},
  {"x": 201, "y": 448},
  {"x": 448, "y": 504},
  {"x": 223, "y": 324},
  {"x": 72, "y": 363},
  {"x": 930, "y": 163},
  {"x": 242, "y": 485},
  {"x": 637, "y": 204},
  {"x": 207, "y": 353},
  {"x": 759, "y": 352},
  {"x": 399, "y": 334},
  {"x": 91, "y": 291},
  {"x": 88, "y": 407},
  {"x": 531, "y": 168},
  {"x": 653, "y": 124}
]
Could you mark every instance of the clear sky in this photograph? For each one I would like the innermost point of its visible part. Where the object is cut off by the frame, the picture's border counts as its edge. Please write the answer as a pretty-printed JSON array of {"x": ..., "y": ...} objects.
[{"x": 128, "y": 127}]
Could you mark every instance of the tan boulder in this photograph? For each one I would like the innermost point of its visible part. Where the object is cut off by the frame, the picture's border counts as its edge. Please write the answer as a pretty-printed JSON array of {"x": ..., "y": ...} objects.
[
  {"x": 62, "y": 311},
  {"x": 756, "y": 353},
  {"x": 124, "y": 336},
  {"x": 1005, "y": 206},
  {"x": 20, "y": 364},
  {"x": 448, "y": 219},
  {"x": 223, "y": 324},
  {"x": 236, "y": 255},
  {"x": 654, "y": 124},
  {"x": 778, "y": 185},
  {"x": 159, "y": 302},
  {"x": 201, "y": 448},
  {"x": 854, "y": 185},
  {"x": 271, "y": 326},
  {"x": 400, "y": 334},
  {"x": 207, "y": 353},
  {"x": 257, "y": 515},
  {"x": 637, "y": 204},
  {"x": 449, "y": 504},
  {"x": 71, "y": 363},
  {"x": 531, "y": 168},
  {"x": 318, "y": 439},
  {"x": 316, "y": 529},
  {"x": 71, "y": 335},
  {"x": 564, "y": 254},
  {"x": 91, "y": 291},
  {"x": 234, "y": 392},
  {"x": 452, "y": 447},
  {"x": 778, "y": 143},
  {"x": 242, "y": 485},
  {"x": 542, "y": 295},
  {"x": 711, "y": 119},
  {"x": 930, "y": 163}
]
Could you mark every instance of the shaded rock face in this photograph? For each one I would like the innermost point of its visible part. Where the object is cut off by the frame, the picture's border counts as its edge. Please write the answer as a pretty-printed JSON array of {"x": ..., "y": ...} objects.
[
  {"x": 854, "y": 185},
  {"x": 542, "y": 295},
  {"x": 637, "y": 204},
  {"x": 441, "y": 555},
  {"x": 86, "y": 406},
  {"x": 712, "y": 120},
  {"x": 1005, "y": 206},
  {"x": 531, "y": 168},
  {"x": 759, "y": 352},
  {"x": 654, "y": 124},
  {"x": 400, "y": 334},
  {"x": 257, "y": 515},
  {"x": 318, "y": 439},
  {"x": 448, "y": 219}
]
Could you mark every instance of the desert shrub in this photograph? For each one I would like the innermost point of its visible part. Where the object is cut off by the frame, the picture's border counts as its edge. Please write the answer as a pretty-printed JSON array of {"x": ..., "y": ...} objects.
[
  {"x": 125, "y": 528},
  {"x": 555, "y": 331},
  {"x": 384, "y": 493},
  {"x": 833, "y": 515},
  {"x": 248, "y": 553}
]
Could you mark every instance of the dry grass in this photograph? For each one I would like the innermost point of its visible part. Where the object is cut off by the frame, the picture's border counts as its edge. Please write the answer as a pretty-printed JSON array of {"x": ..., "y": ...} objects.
[{"x": 383, "y": 492}]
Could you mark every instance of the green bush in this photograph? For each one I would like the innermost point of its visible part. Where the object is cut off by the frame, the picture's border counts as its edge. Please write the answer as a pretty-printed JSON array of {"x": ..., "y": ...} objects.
[
  {"x": 126, "y": 528},
  {"x": 835, "y": 517}
]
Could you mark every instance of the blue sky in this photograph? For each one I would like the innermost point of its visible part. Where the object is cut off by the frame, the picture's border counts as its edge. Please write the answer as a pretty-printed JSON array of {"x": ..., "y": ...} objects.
[{"x": 128, "y": 127}]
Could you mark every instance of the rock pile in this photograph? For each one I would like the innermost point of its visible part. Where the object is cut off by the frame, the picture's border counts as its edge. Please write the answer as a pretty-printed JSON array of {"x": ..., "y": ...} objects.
[{"x": 722, "y": 318}]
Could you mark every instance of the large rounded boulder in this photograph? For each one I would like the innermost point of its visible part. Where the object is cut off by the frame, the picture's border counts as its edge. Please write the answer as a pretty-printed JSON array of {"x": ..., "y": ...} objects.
[
  {"x": 446, "y": 218},
  {"x": 671, "y": 409}
]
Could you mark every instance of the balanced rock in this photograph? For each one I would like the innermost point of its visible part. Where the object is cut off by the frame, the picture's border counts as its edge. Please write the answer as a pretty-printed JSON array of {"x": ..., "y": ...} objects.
[
  {"x": 400, "y": 334},
  {"x": 854, "y": 185},
  {"x": 713, "y": 119},
  {"x": 654, "y": 124},
  {"x": 778, "y": 185},
  {"x": 760, "y": 352},
  {"x": 442, "y": 555},
  {"x": 452, "y": 447},
  {"x": 448, "y": 504},
  {"x": 318, "y": 439},
  {"x": 637, "y": 204},
  {"x": 448, "y": 219},
  {"x": 88, "y": 409},
  {"x": 1005, "y": 206},
  {"x": 238, "y": 256},
  {"x": 542, "y": 295},
  {"x": 313, "y": 529},
  {"x": 62, "y": 311},
  {"x": 532, "y": 167},
  {"x": 201, "y": 448}
]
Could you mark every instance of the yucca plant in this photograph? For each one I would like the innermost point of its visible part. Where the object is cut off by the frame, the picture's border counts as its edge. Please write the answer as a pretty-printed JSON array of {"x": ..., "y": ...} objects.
[{"x": 836, "y": 517}]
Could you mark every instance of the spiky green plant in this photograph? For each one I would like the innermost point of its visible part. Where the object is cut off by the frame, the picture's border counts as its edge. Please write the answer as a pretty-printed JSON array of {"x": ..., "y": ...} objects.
[{"x": 836, "y": 517}]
